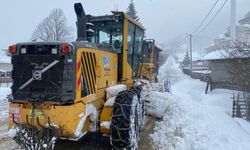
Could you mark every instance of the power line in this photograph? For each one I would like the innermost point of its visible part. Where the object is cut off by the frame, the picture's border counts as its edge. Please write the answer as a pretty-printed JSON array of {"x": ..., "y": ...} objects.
[
  {"x": 178, "y": 45},
  {"x": 205, "y": 18},
  {"x": 213, "y": 17},
  {"x": 182, "y": 41}
]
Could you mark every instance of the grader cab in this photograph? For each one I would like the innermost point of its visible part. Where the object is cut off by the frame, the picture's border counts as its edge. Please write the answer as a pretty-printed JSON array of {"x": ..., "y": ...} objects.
[{"x": 66, "y": 89}]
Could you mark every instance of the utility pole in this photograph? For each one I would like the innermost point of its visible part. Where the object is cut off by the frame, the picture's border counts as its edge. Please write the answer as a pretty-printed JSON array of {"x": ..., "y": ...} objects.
[
  {"x": 233, "y": 22},
  {"x": 191, "y": 51}
]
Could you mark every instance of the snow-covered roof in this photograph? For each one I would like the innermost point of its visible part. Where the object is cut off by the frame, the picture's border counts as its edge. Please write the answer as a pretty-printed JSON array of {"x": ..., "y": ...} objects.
[
  {"x": 1, "y": 70},
  {"x": 223, "y": 54},
  {"x": 214, "y": 55},
  {"x": 196, "y": 56},
  {"x": 221, "y": 36},
  {"x": 246, "y": 25},
  {"x": 5, "y": 59}
]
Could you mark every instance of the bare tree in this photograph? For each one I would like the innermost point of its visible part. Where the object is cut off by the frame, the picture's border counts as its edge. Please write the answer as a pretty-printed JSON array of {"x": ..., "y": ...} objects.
[{"x": 53, "y": 28}]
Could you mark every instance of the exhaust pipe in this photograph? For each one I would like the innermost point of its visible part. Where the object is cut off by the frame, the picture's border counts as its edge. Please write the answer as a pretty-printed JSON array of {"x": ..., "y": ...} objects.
[{"x": 81, "y": 22}]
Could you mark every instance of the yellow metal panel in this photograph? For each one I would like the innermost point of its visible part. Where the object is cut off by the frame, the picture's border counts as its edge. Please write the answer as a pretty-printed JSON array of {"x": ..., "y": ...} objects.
[
  {"x": 125, "y": 50},
  {"x": 152, "y": 53},
  {"x": 105, "y": 117},
  {"x": 59, "y": 115},
  {"x": 104, "y": 73}
]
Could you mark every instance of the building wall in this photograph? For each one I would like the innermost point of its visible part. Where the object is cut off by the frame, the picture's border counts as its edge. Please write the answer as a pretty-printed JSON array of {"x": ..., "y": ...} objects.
[
  {"x": 5, "y": 67},
  {"x": 219, "y": 70},
  {"x": 221, "y": 73}
]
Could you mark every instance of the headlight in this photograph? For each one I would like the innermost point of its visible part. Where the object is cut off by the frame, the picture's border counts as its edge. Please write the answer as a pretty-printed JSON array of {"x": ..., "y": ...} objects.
[
  {"x": 23, "y": 51},
  {"x": 54, "y": 51}
]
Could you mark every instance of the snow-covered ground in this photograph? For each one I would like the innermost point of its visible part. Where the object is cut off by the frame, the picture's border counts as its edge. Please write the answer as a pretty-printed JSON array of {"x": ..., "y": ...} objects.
[
  {"x": 4, "y": 105},
  {"x": 4, "y": 91},
  {"x": 198, "y": 121}
]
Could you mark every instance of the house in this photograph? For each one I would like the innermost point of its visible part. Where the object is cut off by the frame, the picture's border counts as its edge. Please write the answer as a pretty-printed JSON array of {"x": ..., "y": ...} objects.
[
  {"x": 242, "y": 35},
  {"x": 5, "y": 66}
]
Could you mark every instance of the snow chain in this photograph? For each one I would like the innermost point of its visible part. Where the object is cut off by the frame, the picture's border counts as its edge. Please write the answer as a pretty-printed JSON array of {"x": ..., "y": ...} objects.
[{"x": 32, "y": 138}]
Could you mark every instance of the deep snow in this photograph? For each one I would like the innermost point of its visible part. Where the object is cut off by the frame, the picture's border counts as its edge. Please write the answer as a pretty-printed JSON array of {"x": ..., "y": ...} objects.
[
  {"x": 196, "y": 121},
  {"x": 4, "y": 91}
]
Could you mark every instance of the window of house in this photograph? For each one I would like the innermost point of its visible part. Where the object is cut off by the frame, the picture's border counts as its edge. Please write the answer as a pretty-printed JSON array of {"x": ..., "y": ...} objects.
[
  {"x": 8, "y": 74},
  {"x": 2, "y": 74}
]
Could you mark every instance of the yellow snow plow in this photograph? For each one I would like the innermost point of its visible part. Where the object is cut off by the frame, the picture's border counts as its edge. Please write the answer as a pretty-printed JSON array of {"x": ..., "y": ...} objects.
[
  {"x": 63, "y": 90},
  {"x": 149, "y": 66}
]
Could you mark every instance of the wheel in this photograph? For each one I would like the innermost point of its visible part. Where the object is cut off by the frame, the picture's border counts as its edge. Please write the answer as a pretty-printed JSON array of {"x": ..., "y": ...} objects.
[{"x": 124, "y": 123}]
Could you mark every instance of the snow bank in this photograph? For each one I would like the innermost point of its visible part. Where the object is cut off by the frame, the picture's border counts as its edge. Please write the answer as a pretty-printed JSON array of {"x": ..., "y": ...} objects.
[
  {"x": 195, "y": 121},
  {"x": 4, "y": 91},
  {"x": 157, "y": 103},
  {"x": 4, "y": 104},
  {"x": 114, "y": 90}
]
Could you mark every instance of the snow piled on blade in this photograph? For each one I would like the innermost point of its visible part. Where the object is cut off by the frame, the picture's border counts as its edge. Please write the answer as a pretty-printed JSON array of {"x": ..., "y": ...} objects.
[
  {"x": 90, "y": 112},
  {"x": 196, "y": 121},
  {"x": 13, "y": 132},
  {"x": 110, "y": 102},
  {"x": 114, "y": 90}
]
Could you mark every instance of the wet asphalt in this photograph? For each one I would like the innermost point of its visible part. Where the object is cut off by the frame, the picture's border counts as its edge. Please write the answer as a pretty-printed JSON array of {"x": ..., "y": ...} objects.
[{"x": 95, "y": 141}]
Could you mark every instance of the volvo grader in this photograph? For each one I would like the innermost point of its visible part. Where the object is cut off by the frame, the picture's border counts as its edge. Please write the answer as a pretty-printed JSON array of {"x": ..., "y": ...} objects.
[{"x": 63, "y": 90}]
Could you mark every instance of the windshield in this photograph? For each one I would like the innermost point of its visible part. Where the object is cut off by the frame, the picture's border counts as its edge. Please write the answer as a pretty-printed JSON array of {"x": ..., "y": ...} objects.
[{"x": 108, "y": 33}]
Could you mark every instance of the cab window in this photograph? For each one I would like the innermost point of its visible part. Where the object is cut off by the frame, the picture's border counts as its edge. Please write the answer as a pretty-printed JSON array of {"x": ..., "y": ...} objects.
[
  {"x": 135, "y": 42},
  {"x": 108, "y": 34}
]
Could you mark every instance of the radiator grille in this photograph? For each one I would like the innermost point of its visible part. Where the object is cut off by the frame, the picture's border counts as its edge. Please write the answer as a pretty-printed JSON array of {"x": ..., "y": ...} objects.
[{"x": 88, "y": 60}]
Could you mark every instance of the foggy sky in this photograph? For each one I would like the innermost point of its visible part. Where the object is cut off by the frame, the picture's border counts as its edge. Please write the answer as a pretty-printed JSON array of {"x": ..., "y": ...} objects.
[{"x": 165, "y": 20}]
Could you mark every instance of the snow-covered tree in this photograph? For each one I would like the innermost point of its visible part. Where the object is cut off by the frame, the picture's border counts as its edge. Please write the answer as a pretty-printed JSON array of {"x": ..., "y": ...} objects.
[
  {"x": 186, "y": 59},
  {"x": 131, "y": 11},
  {"x": 53, "y": 28}
]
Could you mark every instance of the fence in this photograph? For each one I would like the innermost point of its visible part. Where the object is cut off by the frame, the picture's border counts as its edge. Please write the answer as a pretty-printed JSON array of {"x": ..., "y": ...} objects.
[
  {"x": 202, "y": 74},
  {"x": 241, "y": 107}
]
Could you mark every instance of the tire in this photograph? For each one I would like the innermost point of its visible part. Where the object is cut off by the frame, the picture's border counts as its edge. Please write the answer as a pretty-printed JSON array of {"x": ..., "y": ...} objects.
[
  {"x": 140, "y": 108},
  {"x": 124, "y": 123}
]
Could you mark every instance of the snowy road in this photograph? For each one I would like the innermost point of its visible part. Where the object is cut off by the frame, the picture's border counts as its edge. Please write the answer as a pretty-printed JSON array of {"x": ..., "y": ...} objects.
[
  {"x": 92, "y": 141},
  {"x": 95, "y": 141}
]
